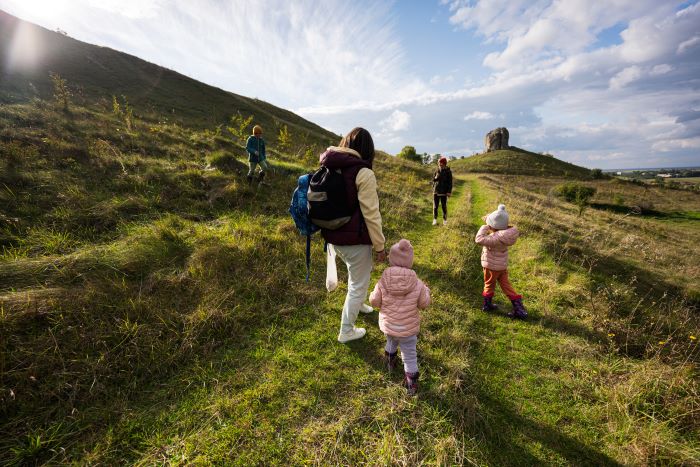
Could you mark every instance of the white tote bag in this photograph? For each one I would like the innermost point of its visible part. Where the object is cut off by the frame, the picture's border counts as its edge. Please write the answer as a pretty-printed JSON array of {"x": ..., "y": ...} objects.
[{"x": 331, "y": 270}]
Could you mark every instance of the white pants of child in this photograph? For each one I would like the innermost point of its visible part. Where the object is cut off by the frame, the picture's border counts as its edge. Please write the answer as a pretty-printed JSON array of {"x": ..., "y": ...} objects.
[
  {"x": 358, "y": 259},
  {"x": 409, "y": 355}
]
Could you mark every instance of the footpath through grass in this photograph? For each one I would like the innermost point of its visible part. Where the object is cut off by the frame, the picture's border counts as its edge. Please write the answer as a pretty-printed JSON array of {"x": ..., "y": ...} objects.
[{"x": 492, "y": 390}]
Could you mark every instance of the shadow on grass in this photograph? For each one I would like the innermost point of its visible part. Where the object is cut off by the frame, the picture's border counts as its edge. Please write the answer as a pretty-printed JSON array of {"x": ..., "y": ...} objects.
[
  {"x": 646, "y": 287},
  {"x": 502, "y": 434},
  {"x": 650, "y": 213},
  {"x": 470, "y": 285}
]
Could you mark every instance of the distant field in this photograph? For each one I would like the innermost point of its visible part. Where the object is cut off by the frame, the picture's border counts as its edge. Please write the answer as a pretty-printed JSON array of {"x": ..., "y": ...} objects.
[{"x": 688, "y": 179}]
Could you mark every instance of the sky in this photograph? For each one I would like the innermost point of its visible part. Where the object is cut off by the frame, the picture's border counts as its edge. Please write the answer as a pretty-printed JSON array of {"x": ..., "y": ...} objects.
[{"x": 607, "y": 84}]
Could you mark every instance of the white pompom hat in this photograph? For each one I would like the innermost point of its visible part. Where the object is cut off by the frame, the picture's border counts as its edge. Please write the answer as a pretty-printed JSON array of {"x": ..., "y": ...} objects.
[{"x": 498, "y": 219}]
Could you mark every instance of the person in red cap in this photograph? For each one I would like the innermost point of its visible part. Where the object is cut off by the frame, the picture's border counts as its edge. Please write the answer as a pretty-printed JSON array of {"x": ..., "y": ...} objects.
[{"x": 442, "y": 189}]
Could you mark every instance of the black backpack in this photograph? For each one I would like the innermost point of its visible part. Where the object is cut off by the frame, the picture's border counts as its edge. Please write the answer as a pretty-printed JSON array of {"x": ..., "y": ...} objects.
[{"x": 327, "y": 197}]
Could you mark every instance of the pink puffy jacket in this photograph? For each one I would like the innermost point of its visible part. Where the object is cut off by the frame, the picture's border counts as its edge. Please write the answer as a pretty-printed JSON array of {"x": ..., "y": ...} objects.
[
  {"x": 494, "y": 255},
  {"x": 399, "y": 294}
]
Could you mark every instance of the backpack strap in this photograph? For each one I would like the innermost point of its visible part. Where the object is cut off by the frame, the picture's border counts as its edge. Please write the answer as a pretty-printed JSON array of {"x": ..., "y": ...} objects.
[{"x": 308, "y": 257}]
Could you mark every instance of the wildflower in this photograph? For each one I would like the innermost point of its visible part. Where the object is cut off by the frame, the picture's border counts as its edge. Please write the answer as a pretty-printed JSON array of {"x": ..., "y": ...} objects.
[
  {"x": 692, "y": 338},
  {"x": 662, "y": 342},
  {"x": 611, "y": 334}
]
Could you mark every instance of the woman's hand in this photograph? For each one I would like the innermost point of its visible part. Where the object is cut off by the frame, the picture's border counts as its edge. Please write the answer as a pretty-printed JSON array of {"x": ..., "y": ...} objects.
[
  {"x": 380, "y": 256},
  {"x": 449, "y": 194}
]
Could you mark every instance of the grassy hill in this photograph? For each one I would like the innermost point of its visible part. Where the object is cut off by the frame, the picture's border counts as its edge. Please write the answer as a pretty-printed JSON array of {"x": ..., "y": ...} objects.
[
  {"x": 153, "y": 310},
  {"x": 519, "y": 161},
  {"x": 155, "y": 92}
]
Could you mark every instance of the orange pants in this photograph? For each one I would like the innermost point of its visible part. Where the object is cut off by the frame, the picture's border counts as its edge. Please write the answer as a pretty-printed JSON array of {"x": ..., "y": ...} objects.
[{"x": 490, "y": 279}]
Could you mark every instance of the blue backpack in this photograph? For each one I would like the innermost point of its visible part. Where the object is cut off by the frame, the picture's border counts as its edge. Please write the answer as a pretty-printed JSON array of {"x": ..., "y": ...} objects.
[{"x": 299, "y": 209}]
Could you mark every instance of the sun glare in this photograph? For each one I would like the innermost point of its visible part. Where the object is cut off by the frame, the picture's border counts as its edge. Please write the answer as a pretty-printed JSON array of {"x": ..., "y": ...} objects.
[{"x": 24, "y": 52}]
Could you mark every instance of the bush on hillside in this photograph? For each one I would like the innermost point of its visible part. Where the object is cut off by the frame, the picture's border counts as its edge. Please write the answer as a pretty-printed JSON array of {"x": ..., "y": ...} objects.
[
  {"x": 575, "y": 193},
  {"x": 284, "y": 139},
  {"x": 597, "y": 174},
  {"x": 239, "y": 127},
  {"x": 409, "y": 153},
  {"x": 61, "y": 93}
]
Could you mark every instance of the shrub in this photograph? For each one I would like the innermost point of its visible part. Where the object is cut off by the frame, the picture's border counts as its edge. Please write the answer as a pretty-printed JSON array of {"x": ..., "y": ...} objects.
[
  {"x": 60, "y": 90},
  {"x": 409, "y": 153},
  {"x": 284, "y": 139},
  {"x": 239, "y": 127},
  {"x": 575, "y": 193},
  {"x": 597, "y": 174}
]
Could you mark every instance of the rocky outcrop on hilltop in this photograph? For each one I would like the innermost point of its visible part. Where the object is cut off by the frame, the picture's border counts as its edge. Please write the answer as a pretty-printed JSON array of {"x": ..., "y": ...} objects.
[{"x": 496, "y": 139}]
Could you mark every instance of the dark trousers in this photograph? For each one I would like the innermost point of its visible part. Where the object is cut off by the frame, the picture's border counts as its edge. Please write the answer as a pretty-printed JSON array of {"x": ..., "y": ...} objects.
[{"x": 440, "y": 199}]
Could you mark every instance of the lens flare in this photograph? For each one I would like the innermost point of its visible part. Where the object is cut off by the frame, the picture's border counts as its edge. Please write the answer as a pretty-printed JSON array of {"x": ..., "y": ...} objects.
[{"x": 24, "y": 52}]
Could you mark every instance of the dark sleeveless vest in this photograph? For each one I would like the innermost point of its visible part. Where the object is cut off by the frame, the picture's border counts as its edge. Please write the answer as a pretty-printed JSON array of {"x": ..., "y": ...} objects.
[{"x": 354, "y": 232}]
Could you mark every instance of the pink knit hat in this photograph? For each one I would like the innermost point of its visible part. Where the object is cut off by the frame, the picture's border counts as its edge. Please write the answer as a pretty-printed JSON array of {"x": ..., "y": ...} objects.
[{"x": 401, "y": 254}]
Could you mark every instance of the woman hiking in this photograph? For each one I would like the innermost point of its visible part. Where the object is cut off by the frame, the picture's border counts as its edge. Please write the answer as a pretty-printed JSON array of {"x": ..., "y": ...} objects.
[
  {"x": 355, "y": 241},
  {"x": 442, "y": 189}
]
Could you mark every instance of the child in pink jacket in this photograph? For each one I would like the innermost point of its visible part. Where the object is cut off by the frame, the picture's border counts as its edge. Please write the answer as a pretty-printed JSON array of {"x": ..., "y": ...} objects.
[
  {"x": 496, "y": 236},
  {"x": 400, "y": 294}
]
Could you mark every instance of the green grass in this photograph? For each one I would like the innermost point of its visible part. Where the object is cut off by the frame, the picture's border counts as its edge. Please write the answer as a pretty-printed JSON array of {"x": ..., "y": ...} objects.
[{"x": 519, "y": 161}]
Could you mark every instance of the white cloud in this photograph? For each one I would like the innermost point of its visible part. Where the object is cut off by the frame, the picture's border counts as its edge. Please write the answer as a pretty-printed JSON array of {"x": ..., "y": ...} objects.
[
  {"x": 441, "y": 79},
  {"x": 625, "y": 77},
  {"x": 687, "y": 45},
  {"x": 658, "y": 70},
  {"x": 130, "y": 8},
  {"x": 674, "y": 144},
  {"x": 478, "y": 115},
  {"x": 397, "y": 121},
  {"x": 544, "y": 30}
]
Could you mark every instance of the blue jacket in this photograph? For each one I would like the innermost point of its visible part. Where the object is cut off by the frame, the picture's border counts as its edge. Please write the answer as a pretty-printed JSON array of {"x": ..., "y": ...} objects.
[{"x": 256, "y": 149}]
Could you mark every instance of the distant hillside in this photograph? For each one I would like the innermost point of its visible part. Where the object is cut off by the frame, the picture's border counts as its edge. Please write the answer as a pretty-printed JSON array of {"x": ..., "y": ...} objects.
[
  {"x": 518, "y": 161},
  {"x": 100, "y": 72}
]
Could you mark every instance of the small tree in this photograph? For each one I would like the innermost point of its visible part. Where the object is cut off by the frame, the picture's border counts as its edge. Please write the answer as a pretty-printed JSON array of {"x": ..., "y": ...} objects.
[
  {"x": 575, "y": 193},
  {"x": 597, "y": 174},
  {"x": 116, "y": 108},
  {"x": 284, "y": 139},
  {"x": 239, "y": 127},
  {"x": 61, "y": 93},
  {"x": 128, "y": 114},
  {"x": 409, "y": 153}
]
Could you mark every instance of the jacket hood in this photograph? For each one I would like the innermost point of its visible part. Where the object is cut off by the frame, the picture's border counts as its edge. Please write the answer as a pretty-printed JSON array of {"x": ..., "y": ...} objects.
[
  {"x": 507, "y": 236},
  {"x": 340, "y": 158},
  {"x": 400, "y": 281}
]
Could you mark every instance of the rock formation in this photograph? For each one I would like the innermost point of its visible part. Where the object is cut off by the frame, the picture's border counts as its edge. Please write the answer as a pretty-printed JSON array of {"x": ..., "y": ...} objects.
[{"x": 496, "y": 139}]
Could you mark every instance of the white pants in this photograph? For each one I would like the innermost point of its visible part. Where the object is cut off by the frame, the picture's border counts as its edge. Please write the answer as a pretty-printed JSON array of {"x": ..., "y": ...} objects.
[
  {"x": 409, "y": 355},
  {"x": 358, "y": 259}
]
